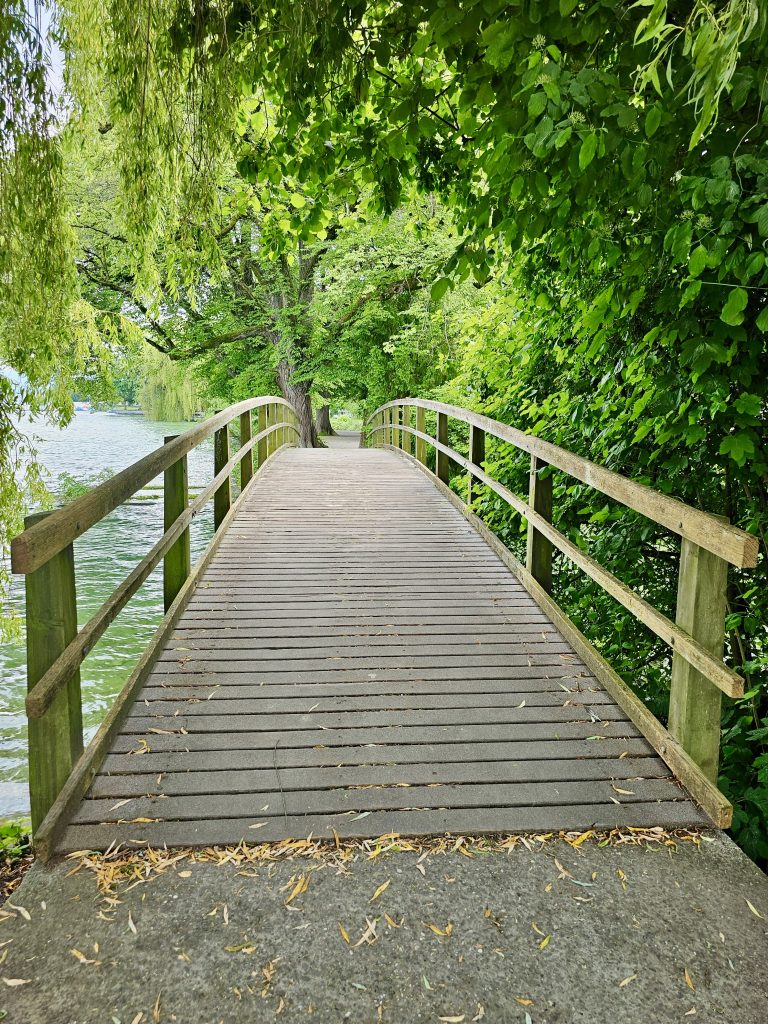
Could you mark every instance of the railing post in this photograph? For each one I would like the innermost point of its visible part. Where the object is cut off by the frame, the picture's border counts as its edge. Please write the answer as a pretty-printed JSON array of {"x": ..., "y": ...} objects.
[
  {"x": 405, "y": 437},
  {"x": 441, "y": 459},
  {"x": 55, "y": 741},
  {"x": 261, "y": 446},
  {"x": 246, "y": 463},
  {"x": 538, "y": 560},
  {"x": 694, "y": 702},
  {"x": 177, "y": 560},
  {"x": 476, "y": 456},
  {"x": 421, "y": 444},
  {"x": 222, "y": 497}
]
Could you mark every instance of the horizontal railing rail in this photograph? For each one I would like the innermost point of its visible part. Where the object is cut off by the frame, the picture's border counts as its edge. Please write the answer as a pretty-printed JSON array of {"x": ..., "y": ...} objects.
[
  {"x": 44, "y": 553},
  {"x": 708, "y": 544}
]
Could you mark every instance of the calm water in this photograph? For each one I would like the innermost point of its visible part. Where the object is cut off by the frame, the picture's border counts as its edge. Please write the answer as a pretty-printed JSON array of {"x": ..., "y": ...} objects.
[{"x": 103, "y": 558}]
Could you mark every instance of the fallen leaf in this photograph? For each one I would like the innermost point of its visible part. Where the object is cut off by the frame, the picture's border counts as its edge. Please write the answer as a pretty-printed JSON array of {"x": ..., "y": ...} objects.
[
  {"x": 382, "y": 888},
  {"x": 545, "y": 942},
  {"x": 156, "y": 1009},
  {"x": 131, "y": 925},
  {"x": 82, "y": 958},
  {"x": 689, "y": 980},
  {"x": 626, "y": 981},
  {"x": 27, "y": 917},
  {"x": 480, "y": 1013},
  {"x": 392, "y": 923},
  {"x": 13, "y": 982},
  {"x": 523, "y": 1001},
  {"x": 344, "y": 933},
  {"x": 751, "y": 906},
  {"x": 259, "y": 824},
  {"x": 242, "y": 948},
  {"x": 453, "y": 1020},
  {"x": 185, "y": 874},
  {"x": 623, "y": 792},
  {"x": 301, "y": 886},
  {"x": 445, "y": 932}
]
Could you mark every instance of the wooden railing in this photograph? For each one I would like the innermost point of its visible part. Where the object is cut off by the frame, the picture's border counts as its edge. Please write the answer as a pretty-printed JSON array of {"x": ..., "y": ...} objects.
[
  {"x": 44, "y": 553},
  {"x": 708, "y": 545}
]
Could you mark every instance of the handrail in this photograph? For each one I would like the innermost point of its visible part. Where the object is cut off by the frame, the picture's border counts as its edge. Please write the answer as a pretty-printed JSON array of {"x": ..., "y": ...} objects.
[
  {"x": 44, "y": 553},
  {"x": 708, "y": 531},
  {"x": 708, "y": 544},
  {"x": 42, "y": 694},
  {"x": 38, "y": 543}
]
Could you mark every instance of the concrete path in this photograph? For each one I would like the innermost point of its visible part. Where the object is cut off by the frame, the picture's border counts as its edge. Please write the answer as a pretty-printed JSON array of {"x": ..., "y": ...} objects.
[{"x": 643, "y": 934}]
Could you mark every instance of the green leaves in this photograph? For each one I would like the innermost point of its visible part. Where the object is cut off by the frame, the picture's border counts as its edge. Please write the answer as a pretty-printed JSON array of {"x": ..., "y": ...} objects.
[
  {"x": 738, "y": 447},
  {"x": 652, "y": 120},
  {"x": 698, "y": 261},
  {"x": 439, "y": 288},
  {"x": 733, "y": 310},
  {"x": 587, "y": 151}
]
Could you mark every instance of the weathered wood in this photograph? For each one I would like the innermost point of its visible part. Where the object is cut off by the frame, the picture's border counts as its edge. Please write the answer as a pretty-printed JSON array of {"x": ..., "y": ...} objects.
[
  {"x": 261, "y": 450},
  {"x": 421, "y": 426},
  {"x": 726, "y": 679},
  {"x": 734, "y": 545},
  {"x": 246, "y": 465},
  {"x": 222, "y": 499},
  {"x": 177, "y": 559},
  {"x": 90, "y": 761},
  {"x": 55, "y": 741},
  {"x": 404, "y": 440},
  {"x": 40, "y": 541},
  {"x": 476, "y": 456},
  {"x": 538, "y": 547},
  {"x": 694, "y": 703},
  {"x": 707, "y": 795},
  {"x": 441, "y": 457}
]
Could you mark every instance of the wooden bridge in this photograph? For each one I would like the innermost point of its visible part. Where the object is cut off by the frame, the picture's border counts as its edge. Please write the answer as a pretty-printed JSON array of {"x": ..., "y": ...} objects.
[{"x": 357, "y": 654}]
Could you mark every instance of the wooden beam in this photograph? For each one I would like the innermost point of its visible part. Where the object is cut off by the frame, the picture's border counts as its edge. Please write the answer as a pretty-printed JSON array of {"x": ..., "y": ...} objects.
[
  {"x": 177, "y": 559},
  {"x": 246, "y": 465},
  {"x": 405, "y": 437},
  {"x": 261, "y": 450},
  {"x": 55, "y": 741},
  {"x": 694, "y": 703},
  {"x": 421, "y": 427},
  {"x": 442, "y": 460},
  {"x": 476, "y": 456},
  {"x": 222, "y": 499},
  {"x": 539, "y": 548}
]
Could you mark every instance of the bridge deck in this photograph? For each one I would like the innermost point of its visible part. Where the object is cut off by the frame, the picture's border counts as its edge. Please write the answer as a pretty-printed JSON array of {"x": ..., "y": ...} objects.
[{"x": 356, "y": 659}]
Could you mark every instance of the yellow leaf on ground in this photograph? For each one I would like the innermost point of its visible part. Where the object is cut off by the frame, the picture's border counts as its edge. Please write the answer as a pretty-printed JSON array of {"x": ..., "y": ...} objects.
[
  {"x": 344, "y": 933},
  {"x": 13, "y": 982},
  {"x": 453, "y": 1020},
  {"x": 301, "y": 886},
  {"x": 523, "y": 1001},
  {"x": 626, "y": 981},
  {"x": 382, "y": 888},
  {"x": 689, "y": 980},
  {"x": 545, "y": 942},
  {"x": 751, "y": 906}
]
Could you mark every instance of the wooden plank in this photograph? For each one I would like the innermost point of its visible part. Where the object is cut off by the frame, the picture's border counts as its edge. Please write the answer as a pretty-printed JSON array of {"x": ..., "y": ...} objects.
[
  {"x": 399, "y": 735},
  {"x": 183, "y": 783},
  {"x": 279, "y": 802},
  {"x": 481, "y": 821},
  {"x": 518, "y": 752}
]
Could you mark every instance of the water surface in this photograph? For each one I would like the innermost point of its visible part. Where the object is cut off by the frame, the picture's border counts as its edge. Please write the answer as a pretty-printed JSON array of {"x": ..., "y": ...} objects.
[{"x": 103, "y": 558}]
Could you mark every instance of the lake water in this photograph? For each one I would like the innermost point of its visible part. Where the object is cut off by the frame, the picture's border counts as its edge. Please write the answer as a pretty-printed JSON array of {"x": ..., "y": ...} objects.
[{"x": 103, "y": 558}]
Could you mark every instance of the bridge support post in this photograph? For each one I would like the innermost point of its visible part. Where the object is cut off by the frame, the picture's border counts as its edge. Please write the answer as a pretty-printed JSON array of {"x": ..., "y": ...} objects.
[
  {"x": 441, "y": 459},
  {"x": 261, "y": 446},
  {"x": 222, "y": 497},
  {"x": 55, "y": 740},
  {"x": 177, "y": 560},
  {"x": 421, "y": 426},
  {"x": 405, "y": 437},
  {"x": 538, "y": 559},
  {"x": 394, "y": 419},
  {"x": 695, "y": 702},
  {"x": 246, "y": 463},
  {"x": 476, "y": 456}
]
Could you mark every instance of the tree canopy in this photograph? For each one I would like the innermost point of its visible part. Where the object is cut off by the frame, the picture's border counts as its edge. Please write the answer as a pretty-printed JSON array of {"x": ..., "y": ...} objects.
[{"x": 553, "y": 211}]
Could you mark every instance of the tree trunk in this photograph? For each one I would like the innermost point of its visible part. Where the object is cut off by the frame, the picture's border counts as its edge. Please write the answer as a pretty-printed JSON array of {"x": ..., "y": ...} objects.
[
  {"x": 323, "y": 423},
  {"x": 298, "y": 395}
]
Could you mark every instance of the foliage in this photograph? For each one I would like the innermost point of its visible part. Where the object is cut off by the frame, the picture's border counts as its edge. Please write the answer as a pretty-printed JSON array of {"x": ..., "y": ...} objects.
[
  {"x": 68, "y": 487},
  {"x": 14, "y": 840}
]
